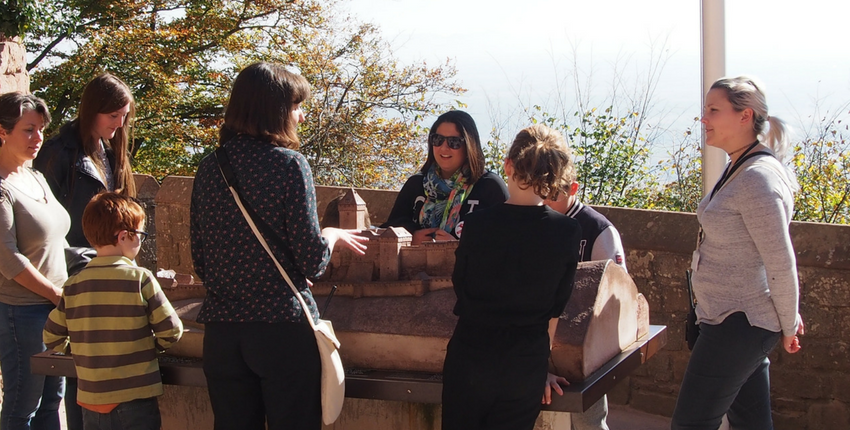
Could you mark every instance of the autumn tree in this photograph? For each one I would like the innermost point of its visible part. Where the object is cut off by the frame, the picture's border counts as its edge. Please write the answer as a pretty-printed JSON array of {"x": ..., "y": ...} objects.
[{"x": 180, "y": 57}]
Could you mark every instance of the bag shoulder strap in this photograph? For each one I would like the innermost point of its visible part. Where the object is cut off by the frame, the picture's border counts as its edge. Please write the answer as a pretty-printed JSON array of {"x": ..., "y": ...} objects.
[{"x": 230, "y": 180}]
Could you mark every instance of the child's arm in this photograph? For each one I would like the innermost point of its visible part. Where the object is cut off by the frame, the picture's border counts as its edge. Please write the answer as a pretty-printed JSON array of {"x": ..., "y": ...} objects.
[
  {"x": 55, "y": 334},
  {"x": 164, "y": 322},
  {"x": 553, "y": 382}
]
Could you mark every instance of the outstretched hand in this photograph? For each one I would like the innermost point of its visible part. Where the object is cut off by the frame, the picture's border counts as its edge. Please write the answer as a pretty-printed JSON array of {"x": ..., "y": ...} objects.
[
  {"x": 349, "y": 239},
  {"x": 553, "y": 382}
]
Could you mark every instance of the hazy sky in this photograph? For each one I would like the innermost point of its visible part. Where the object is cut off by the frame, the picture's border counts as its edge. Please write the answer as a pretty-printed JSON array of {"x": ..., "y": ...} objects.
[{"x": 512, "y": 52}]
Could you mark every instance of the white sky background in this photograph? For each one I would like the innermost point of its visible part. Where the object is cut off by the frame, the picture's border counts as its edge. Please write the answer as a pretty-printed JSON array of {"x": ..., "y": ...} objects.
[{"x": 510, "y": 53}]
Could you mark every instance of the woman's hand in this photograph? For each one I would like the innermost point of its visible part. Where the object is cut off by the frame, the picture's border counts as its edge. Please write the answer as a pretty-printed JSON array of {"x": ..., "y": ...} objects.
[
  {"x": 553, "y": 382},
  {"x": 792, "y": 343},
  {"x": 350, "y": 239},
  {"x": 34, "y": 281},
  {"x": 430, "y": 235}
]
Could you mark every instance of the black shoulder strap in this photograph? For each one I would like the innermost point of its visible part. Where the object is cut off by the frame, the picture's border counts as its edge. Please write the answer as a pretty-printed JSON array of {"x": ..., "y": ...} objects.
[
  {"x": 731, "y": 173},
  {"x": 230, "y": 179}
]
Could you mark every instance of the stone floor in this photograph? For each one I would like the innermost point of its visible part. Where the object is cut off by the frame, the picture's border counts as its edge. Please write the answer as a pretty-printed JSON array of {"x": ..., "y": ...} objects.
[{"x": 620, "y": 418}]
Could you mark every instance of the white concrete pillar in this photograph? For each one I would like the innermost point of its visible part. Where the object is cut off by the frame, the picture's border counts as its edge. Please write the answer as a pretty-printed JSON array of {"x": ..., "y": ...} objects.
[{"x": 713, "y": 49}]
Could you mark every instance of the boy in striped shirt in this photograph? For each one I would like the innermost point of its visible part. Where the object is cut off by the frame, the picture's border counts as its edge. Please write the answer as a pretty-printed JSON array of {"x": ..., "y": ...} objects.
[{"x": 115, "y": 318}]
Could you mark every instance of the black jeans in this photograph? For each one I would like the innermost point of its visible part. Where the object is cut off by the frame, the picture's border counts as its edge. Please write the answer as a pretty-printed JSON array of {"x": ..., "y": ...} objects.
[
  {"x": 493, "y": 379},
  {"x": 140, "y": 414},
  {"x": 727, "y": 374},
  {"x": 263, "y": 372}
]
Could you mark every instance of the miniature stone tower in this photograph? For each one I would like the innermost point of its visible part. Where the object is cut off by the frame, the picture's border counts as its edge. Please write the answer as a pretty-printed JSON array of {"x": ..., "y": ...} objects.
[{"x": 352, "y": 211}]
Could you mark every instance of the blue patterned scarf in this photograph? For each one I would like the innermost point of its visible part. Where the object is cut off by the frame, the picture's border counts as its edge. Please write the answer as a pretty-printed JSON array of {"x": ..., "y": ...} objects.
[{"x": 436, "y": 212}]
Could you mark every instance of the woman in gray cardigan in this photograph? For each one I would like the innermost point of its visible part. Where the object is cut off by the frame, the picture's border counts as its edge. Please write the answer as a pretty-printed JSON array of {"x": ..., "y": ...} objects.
[{"x": 744, "y": 269}]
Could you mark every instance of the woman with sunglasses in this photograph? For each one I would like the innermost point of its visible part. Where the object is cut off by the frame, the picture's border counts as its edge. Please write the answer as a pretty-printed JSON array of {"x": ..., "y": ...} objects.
[{"x": 453, "y": 182}]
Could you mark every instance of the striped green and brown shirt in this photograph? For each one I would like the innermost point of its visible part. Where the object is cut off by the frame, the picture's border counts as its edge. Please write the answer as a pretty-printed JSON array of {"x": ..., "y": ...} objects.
[{"x": 115, "y": 318}]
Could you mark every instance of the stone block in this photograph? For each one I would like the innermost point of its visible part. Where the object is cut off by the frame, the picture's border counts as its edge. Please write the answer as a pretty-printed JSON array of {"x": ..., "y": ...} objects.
[
  {"x": 821, "y": 245},
  {"x": 840, "y": 387},
  {"x": 797, "y": 384},
  {"x": 548, "y": 420},
  {"x": 831, "y": 415},
  {"x": 640, "y": 265},
  {"x": 656, "y": 230},
  {"x": 790, "y": 420},
  {"x": 680, "y": 364},
  {"x": 825, "y": 355},
  {"x": 827, "y": 288},
  {"x": 185, "y": 408},
  {"x": 653, "y": 402},
  {"x": 650, "y": 384}
]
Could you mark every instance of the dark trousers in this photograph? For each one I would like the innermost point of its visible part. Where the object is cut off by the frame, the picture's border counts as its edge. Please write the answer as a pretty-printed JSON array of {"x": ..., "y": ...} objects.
[
  {"x": 263, "y": 372},
  {"x": 140, "y": 414},
  {"x": 73, "y": 411},
  {"x": 727, "y": 374},
  {"x": 493, "y": 379}
]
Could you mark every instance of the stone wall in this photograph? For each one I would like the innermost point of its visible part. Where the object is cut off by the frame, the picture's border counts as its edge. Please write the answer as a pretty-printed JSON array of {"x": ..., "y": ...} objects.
[
  {"x": 810, "y": 389},
  {"x": 13, "y": 66}
]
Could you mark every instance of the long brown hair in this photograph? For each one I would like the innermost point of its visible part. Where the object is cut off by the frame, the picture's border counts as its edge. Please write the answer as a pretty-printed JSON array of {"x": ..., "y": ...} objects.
[
  {"x": 106, "y": 94},
  {"x": 261, "y": 102}
]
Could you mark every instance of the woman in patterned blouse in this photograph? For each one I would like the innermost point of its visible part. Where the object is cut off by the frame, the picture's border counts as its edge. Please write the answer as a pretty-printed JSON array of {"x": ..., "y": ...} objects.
[{"x": 260, "y": 356}]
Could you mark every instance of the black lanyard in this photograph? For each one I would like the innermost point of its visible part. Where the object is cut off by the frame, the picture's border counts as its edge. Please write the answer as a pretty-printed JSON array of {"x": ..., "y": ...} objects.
[{"x": 729, "y": 172}]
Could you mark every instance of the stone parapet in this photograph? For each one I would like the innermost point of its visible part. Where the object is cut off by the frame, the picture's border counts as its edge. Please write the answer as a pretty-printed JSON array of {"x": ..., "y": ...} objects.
[{"x": 809, "y": 389}]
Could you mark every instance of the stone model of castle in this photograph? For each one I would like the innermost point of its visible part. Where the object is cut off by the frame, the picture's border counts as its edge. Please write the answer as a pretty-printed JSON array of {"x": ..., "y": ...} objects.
[{"x": 393, "y": 306}]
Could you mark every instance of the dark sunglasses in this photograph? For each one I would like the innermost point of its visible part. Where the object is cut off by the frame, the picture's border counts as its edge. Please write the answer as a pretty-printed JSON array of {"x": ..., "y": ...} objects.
[{"x": 455, "y": 142}]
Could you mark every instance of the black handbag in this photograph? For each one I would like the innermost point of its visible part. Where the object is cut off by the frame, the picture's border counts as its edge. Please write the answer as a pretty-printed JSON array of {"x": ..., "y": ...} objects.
[{"x": 691, "y": 326}]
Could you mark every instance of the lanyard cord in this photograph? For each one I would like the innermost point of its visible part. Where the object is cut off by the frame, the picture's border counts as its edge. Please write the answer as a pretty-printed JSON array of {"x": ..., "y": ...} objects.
[{"x": 729, "y": 172}]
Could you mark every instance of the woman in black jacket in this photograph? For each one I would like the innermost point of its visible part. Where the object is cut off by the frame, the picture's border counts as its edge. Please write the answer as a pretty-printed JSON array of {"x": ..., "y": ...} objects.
[
  {"x": 90, "y": 154},
  {"x": 452, "y": 183}
]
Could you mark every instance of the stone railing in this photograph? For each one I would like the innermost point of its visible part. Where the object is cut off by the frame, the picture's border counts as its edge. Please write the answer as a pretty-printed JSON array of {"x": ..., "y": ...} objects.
[{"x": 809, "y": 389}]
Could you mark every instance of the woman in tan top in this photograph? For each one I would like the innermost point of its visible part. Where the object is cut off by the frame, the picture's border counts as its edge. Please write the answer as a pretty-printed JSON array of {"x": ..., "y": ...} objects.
[{"x": 33, "y": 226}]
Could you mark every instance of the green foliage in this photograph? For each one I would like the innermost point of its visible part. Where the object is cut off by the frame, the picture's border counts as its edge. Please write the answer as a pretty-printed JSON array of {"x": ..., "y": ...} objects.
[
  {"x": 17, "y": 16},
  {"x": 822, "y": 163},
  {"x": 611, "y": 158},
  {"x": 180, "y": 58},
  {"x": 495, "y": 152},
  {"x": 683, "y": 170}
]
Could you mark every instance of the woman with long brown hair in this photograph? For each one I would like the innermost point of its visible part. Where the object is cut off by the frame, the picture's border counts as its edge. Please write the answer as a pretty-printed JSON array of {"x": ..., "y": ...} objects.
[
  {"x": 91, "y": 153},
  {"x": 88, "y": 156},
  {"x": 261, "y": 360}
]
